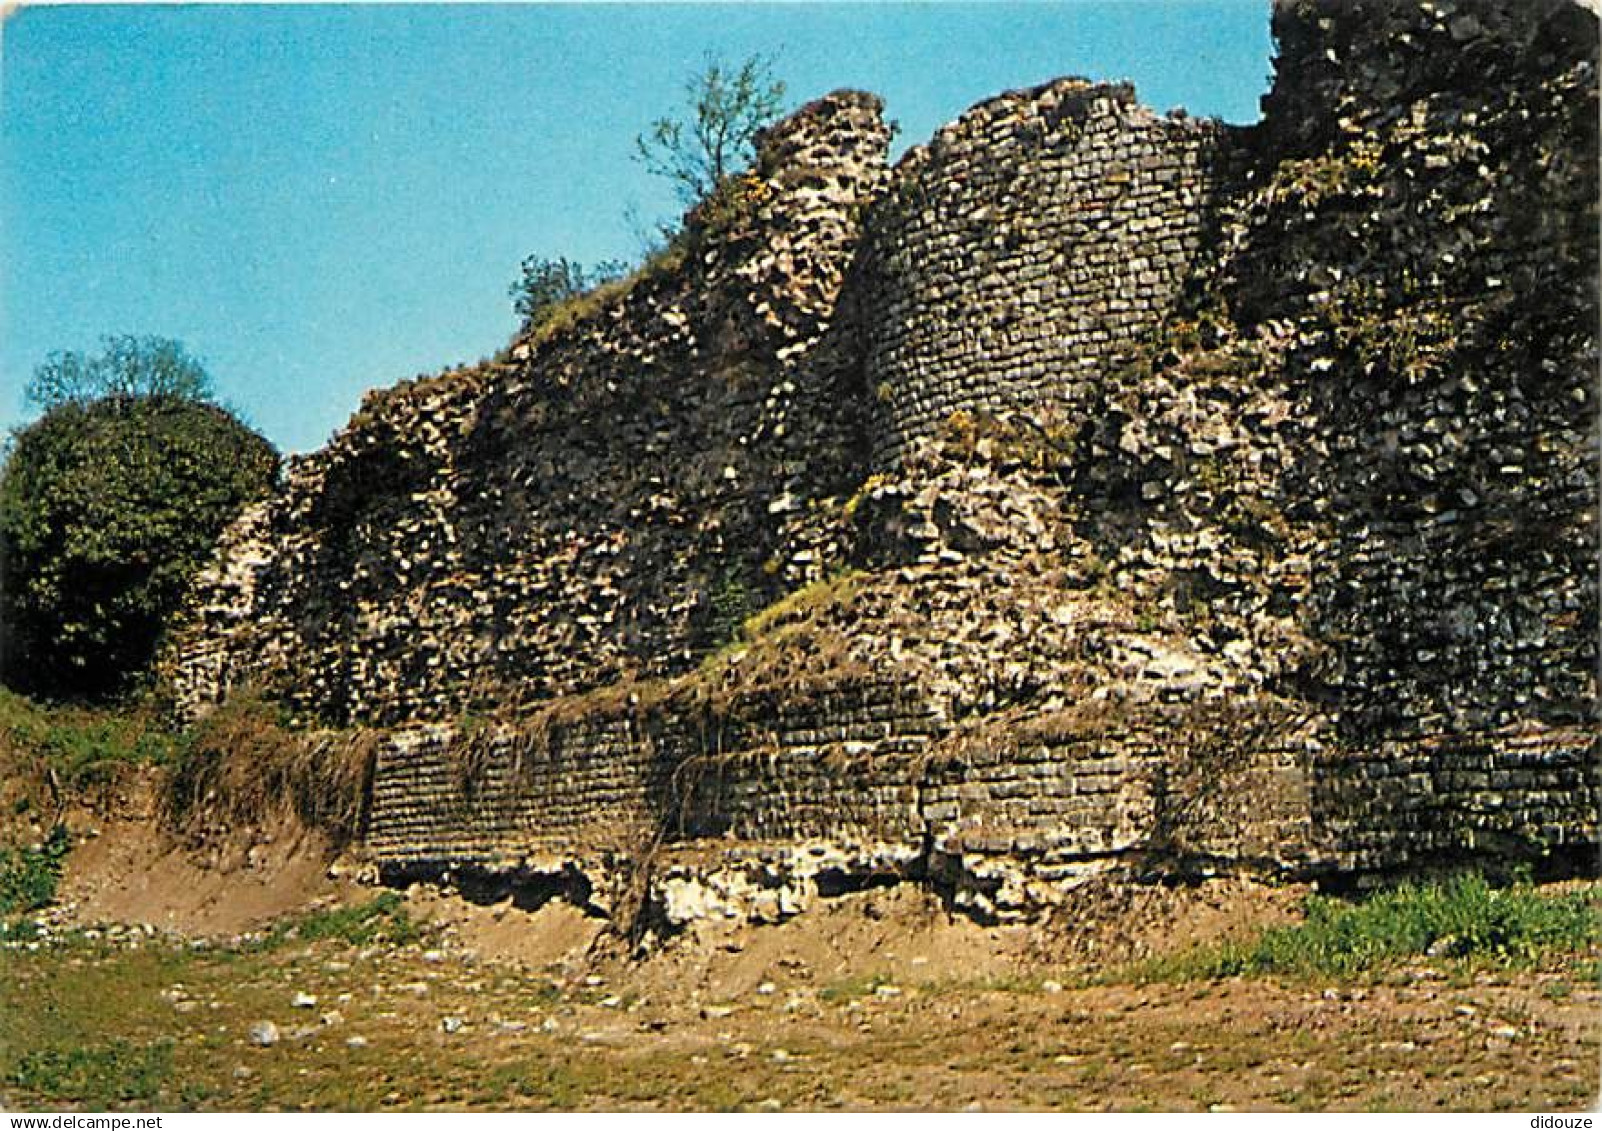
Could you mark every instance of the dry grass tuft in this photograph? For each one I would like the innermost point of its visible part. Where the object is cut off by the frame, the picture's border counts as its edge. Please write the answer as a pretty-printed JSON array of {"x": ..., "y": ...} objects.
[{"x": 244, "y": 768}]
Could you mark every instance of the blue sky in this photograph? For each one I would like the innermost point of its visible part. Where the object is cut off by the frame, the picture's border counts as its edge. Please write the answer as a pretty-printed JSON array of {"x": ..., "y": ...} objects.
[{"x": 320, "y": 199}]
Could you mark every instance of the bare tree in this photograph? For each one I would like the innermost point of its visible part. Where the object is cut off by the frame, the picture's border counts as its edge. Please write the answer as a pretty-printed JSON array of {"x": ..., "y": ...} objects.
[{"x": 726, "y": 107}]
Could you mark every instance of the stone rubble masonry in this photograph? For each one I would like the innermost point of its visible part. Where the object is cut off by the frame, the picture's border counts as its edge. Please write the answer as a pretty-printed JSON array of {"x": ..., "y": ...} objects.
[
  {"x": 1434, "y": 270},
  {"x": 1116, "y": 491},
  {"x": 575, "y": 513},
  {"x": 873, "y": 777}
]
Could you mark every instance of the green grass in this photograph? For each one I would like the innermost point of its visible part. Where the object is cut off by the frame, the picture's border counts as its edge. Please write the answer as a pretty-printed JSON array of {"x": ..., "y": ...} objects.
[
  {"x": 112, "y": 1074},
  {"x": 81, "y": 1025},
  {"x": 382, "y": 919},
  {"x": 85, "y": 745},
  {"x": 241, "y": 765},
  {"x": 84, "y": 1025},
  {"x": 836, "y": 589},
  {"x": 1464, "y": 918},
  {"x": 848, "y": 989}
]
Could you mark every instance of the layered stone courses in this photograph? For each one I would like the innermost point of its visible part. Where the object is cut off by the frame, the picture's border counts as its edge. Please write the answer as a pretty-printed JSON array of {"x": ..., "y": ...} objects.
[
  {"x": 1024, "y": 253},
  {"x": 867, "y": 769}
]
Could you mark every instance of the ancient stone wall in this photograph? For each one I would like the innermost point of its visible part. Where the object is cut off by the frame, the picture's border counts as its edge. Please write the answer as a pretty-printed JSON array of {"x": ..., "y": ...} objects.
[
  {"x": 866, "y": 783},
  {"x": 1360, "y": 464},
  {"x": 439, "y": 798},
  {"x": 604, "y": 502},
  {"x": 1003, "y": 821},
  {"x": 1111, "y": 491},
  {"x": 1433, "y": 263},
  {"x": 607, "y": 502},
  {"x": 1444, "y": 800}
]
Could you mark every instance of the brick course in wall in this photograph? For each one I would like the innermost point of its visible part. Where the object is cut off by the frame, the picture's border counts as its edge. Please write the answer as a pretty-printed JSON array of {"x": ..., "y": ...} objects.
[{"x": 1004, "y": 821}]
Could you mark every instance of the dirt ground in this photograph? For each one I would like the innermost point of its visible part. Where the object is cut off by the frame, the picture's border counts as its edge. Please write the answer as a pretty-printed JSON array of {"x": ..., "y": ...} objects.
[
  {"x": 874, "y": 1000},
  {"x": 129, "y": 872}
]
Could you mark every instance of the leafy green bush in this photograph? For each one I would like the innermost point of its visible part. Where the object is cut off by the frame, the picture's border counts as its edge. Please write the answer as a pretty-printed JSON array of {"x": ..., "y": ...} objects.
[
  {"x": 28, "y": 876},
  {"x": 1463, "y": 918},
  {"x": 108, "y": 507}
]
